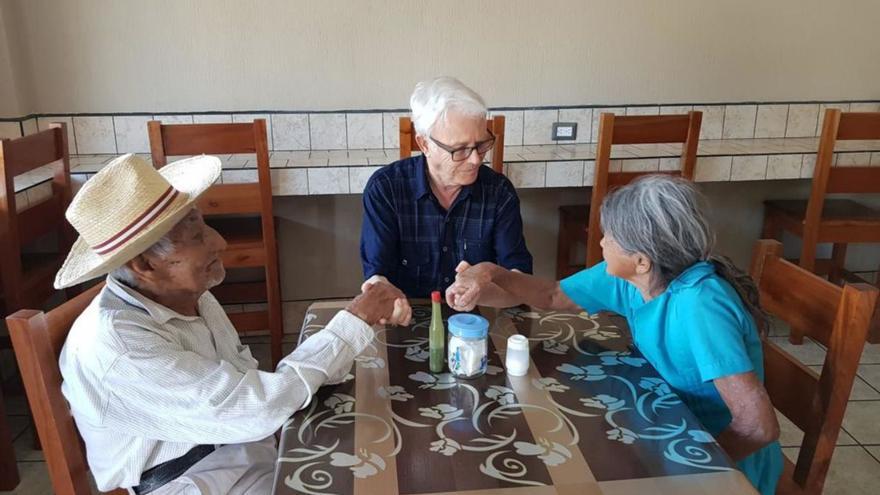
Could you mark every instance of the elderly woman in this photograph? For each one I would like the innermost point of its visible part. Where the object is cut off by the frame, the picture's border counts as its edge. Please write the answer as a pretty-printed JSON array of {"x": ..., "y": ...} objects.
[
  {"x": 694, "y": 316},
  {"x": 425, "y": 214}
]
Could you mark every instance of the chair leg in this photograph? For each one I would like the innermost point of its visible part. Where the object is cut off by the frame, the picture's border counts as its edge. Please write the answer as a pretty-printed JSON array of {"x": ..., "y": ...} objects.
[
  {"x": 838, "y": 260},
  {"x": 770, "y": 229},
  {"x": 9, "y": 477},
  {"x": 563, "y": 246}
]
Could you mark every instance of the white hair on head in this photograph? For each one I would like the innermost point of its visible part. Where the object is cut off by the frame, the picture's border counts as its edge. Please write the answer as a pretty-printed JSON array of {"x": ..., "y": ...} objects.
[
  {"x": 433, "y": 99},
  {"x": 160, "y": 249}
]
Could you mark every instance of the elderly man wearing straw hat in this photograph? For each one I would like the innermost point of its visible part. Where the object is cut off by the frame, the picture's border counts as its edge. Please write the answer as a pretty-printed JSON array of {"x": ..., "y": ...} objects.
[{"x": 164, "y": 394}]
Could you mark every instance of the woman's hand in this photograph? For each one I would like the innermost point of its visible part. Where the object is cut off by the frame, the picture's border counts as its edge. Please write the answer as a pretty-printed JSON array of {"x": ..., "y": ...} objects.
[{"x": 470, "y": 283}]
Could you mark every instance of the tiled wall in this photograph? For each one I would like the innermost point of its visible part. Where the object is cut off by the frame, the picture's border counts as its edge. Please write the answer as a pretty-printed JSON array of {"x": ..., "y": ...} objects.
[{"x": 112, "y": 134}]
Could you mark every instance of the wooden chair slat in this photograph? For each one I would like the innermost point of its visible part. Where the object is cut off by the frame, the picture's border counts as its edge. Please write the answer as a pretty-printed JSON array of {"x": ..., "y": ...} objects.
[
  {"x": 33, "y": 151},
  {"x": 227, "y": 199},
  {"x": 858, "y": 180},
  {"x": 791, "y": 385},
  {"x": 646, "y": 129},
  {"x": 211, "y": 139},
  {"x": 858, "y": 125},
  {"x": 811, "y": 311}
]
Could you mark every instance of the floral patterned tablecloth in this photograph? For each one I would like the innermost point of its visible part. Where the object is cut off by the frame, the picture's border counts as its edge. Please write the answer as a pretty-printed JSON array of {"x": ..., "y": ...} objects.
[{"x": 591, "y": 416}]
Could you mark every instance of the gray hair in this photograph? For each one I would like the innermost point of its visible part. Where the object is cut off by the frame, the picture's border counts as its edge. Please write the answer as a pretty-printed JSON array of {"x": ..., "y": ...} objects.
[
  {"x": 161, "y": 249},
  {"x": 432, "y": 100},
  {"x": 662, "y": 217}
]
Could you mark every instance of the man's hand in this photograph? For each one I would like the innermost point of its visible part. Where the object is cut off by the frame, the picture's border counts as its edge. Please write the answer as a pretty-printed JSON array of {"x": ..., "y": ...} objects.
[
  {"x": 381, "y": 302},
  {"x": 471, "y": 281}
]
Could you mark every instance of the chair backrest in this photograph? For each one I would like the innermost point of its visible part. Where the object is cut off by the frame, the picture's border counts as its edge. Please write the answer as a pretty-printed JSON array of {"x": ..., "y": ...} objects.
[
  {"x": 18, "y": 229},
  {"x": 219, "y": 139},
  {"x": 837, "y": 317},
  {"x": 827, "y": 179},
  {"x": 37, "y": 338},
  {"x": 495, "y": 125},
  {"x": 636, "y": 129}
]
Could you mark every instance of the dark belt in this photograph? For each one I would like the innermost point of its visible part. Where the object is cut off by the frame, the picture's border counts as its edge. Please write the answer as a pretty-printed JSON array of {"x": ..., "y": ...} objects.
[{"x": 161, "y": 474}]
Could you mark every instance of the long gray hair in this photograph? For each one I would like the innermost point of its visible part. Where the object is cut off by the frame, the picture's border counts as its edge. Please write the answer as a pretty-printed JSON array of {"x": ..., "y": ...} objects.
[{"x": 662, "y": 217}]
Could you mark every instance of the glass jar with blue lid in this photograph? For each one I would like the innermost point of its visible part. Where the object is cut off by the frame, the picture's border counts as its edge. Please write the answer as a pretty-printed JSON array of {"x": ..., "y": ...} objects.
[{"x": 468, "y": 345}]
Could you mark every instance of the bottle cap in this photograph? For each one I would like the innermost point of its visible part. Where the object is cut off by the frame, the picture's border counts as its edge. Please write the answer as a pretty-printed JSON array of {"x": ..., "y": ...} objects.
[
  {"x": 468, "y": 325},
  {"x": 435, "y": 296},
  {"x": 517, "y": 342}
]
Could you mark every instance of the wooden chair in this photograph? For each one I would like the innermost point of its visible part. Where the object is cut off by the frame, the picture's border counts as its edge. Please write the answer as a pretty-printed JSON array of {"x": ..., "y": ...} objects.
[
  {"x": 838, "y": 221},
  {"x": 251, "y": 239},
  {"x": 613, "y": 129},
  {"x": 837, "y": 317},
  {"x": 495, "y": 125},
  {"x": 28, "y": 277},
  {"x": 38, "y": 338}
]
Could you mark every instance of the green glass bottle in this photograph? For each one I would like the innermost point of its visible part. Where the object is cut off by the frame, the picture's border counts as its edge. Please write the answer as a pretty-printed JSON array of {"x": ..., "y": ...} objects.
[{"x": 436, "y": 335}]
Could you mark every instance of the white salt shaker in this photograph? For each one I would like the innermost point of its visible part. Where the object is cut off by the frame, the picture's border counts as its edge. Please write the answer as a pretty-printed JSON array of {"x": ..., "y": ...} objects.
[{"x": 517, "y": 361}]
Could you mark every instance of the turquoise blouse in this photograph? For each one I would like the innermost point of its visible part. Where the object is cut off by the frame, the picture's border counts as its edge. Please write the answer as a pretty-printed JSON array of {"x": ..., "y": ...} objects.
[{"x": 694, "y": 332}]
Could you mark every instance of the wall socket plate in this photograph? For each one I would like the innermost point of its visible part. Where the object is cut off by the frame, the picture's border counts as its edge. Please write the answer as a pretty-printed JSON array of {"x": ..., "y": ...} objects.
[{"x": 564, "y": 131}]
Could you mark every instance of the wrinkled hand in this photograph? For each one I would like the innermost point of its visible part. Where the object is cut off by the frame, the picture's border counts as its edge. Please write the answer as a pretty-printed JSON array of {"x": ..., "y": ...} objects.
[
  {"x": 381, "y": 302},
  {"x": 464, "y": 293}
]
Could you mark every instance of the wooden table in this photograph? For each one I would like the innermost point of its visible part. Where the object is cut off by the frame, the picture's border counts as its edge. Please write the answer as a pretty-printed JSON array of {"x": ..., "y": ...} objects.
[{"x": 590, "y": 417}]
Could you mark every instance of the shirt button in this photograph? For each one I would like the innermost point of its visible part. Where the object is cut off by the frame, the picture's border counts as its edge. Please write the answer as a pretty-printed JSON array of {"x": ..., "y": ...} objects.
[
  {"x": 446, "y": 279},
  {"x": 404, "y": 262},
  {"x": 445, "y": 249}
]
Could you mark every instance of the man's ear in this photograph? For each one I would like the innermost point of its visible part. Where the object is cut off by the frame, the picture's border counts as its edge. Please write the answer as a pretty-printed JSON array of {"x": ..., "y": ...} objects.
[
  {"x": 143, "y": 267},
  {"x": 423, "y": 144}
]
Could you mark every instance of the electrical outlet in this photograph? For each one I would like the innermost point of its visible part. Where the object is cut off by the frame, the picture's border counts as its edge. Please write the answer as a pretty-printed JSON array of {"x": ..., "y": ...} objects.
[{"x": 565, "y": 131}]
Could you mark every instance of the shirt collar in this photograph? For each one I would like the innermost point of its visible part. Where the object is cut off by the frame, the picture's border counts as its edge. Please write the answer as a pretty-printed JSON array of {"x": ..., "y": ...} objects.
[
  {"x": 691, "y": 275},
  {"x": 423, "y": 186},
  {"x": 161, "y": 314}
]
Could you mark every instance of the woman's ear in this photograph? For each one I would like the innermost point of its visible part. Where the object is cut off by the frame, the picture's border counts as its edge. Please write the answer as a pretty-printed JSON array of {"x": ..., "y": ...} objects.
[{"x": 643, "y": 264}]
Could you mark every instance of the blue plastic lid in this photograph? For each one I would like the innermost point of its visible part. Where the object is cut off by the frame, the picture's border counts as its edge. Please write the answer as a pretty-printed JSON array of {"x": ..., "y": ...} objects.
[{"x": 468, "y": 326}]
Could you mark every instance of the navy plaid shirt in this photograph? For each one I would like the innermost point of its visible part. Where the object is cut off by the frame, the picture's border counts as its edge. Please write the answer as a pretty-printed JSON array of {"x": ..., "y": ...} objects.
[{"x": 415, "y": 243}]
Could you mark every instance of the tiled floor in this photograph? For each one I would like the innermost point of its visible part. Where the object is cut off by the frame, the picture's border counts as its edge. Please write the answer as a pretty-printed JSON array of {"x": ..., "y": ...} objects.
[{"x": 855, "y": 468}]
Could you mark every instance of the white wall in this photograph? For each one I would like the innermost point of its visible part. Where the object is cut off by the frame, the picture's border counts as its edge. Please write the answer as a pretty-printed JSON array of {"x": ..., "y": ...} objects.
[{"x": 173, "y": 55}]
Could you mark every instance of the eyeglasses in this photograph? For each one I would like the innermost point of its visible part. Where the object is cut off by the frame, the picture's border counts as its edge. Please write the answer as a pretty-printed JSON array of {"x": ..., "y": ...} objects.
[{"x": 462, "y": 154}]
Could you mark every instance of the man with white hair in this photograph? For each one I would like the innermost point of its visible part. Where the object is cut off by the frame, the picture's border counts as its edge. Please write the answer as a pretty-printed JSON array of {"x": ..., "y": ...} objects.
[
  {"x": 165, "y": 396},
  {"x": 425, "y": 215}
]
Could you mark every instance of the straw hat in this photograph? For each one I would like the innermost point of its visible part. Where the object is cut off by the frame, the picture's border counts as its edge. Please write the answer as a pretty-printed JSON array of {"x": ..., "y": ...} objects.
[{"x": 128, "y": 206}]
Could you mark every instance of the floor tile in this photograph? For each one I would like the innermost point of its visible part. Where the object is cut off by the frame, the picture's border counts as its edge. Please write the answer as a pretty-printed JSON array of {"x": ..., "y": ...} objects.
[
  {"x": 871, "y": 374},
  {"x": 34, "y": 479},
  {"x": 871, "y": 354},
  {"x": 853, "y": 472},
  {"x": 861, "y": 389},
  {"x": 792, "y": 436},
  {"x": 861, "y": 421}
]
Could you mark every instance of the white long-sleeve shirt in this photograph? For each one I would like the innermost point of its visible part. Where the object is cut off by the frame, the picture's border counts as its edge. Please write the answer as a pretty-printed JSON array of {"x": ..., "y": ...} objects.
[{"x": 146, "y": 384}]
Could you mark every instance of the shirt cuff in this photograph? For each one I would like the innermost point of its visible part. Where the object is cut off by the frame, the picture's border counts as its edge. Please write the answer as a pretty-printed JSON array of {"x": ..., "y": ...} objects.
[{"x": 352, "y": 330}]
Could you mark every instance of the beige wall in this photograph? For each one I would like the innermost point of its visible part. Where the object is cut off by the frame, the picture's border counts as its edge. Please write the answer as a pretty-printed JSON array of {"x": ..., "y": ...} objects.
[
  {"x": 173, "y": 55},
  {"x": 9, "y": 104}
]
